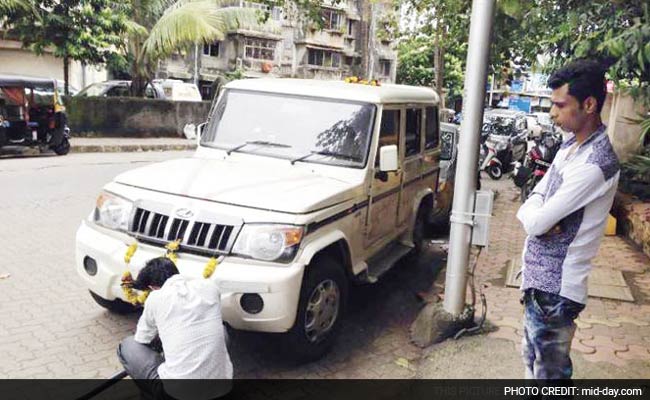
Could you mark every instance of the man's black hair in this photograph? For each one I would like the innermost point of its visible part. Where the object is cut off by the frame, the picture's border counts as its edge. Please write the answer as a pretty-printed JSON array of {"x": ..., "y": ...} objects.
[
  {"x": 155, "y": 273},
  {"x": 585, "y": 78}
]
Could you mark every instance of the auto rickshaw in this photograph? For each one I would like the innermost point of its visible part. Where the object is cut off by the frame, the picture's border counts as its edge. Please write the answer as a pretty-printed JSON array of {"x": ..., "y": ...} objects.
[{"x": 32, "y": 114}]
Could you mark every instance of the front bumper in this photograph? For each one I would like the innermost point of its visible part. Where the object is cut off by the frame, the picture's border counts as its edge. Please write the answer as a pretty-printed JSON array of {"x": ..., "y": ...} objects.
[{"x": 278, "y": 285}]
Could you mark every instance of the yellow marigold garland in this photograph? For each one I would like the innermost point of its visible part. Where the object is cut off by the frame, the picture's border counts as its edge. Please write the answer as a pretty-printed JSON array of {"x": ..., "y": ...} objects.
[
  {"x": 127, "y": 280},
  {"x": 172, "y": 247},
  {"x": 210, "y": 266}
]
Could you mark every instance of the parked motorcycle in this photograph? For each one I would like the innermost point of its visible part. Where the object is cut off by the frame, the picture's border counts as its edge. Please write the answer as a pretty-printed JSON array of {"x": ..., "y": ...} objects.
[
  {"x": 500, "y": 146},
  {"x": 538, "y": 160}
]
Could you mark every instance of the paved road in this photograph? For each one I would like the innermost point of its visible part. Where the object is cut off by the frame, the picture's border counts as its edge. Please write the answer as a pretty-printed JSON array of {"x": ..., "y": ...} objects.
[{"x": 50, "y": 327}]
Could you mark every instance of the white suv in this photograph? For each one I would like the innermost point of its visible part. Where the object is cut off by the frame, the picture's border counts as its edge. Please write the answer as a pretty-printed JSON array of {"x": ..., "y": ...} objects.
[{"x": 299, "y": 187}]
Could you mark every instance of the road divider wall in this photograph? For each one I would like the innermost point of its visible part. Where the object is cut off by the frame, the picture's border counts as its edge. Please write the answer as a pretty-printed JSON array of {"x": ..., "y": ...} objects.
[{"x": 132, "y": 117}]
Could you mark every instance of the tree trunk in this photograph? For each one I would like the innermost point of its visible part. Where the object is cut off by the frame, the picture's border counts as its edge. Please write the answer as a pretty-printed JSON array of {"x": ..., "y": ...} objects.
[
  {"x": 66, "y": 75},
  {"x": 439, "y": 63},
  {"x": 139, "y": 77}
]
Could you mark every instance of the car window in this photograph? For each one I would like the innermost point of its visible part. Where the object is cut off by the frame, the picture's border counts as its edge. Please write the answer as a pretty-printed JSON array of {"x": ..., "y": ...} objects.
[
  {"x": 413, "y": 131},
  {"x": 389, "y": 130},
  {"x": 301, "y": 125},
  {"x": 118, "y": 91},
  {"x": 149, "y": 92},
  {"x": 432, "y": 133}
]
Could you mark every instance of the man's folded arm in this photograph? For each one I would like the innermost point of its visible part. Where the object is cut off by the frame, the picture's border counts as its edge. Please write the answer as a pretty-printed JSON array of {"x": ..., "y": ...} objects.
[{"x": 580, "y": 186}]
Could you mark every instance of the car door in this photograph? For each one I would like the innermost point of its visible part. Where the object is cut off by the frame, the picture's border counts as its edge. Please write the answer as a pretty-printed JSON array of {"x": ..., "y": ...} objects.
[
  {"x": 412, "y": 164},
  {"x": 385, "y": 187}
]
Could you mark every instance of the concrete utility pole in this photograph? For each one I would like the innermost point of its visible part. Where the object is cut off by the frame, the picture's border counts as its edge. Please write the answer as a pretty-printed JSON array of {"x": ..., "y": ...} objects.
[{"x": 467, "y": 166}]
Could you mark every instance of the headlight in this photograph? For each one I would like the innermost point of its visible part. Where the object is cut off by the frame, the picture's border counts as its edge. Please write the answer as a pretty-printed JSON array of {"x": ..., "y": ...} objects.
[
  {"x": 112, "y": 211},
  {"x": 268, "y": 242}
]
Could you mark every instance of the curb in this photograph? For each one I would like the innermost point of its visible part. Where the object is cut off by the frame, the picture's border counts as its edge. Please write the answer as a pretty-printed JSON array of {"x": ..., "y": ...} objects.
[{"x": 128, "y": 148}]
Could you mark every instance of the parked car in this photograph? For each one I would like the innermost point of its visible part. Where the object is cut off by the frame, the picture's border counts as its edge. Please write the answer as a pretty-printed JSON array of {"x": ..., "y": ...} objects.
[
  {"x": 165, "y": 89},
  {"x": 32, "y": 114},
  {"x": 449, "y": 135},
  {"x": 178, "y": 90},
  {"x": 329, "y": 184}
]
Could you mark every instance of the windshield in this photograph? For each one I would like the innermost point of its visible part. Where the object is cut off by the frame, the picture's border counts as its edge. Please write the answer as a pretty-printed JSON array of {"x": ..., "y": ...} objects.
[
  {"x": 335, "y": 132},
  {"x": 96, "y": 89}
]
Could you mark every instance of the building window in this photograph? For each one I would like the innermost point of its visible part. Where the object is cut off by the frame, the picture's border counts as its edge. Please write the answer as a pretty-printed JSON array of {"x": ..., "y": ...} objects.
[
  {"x": 384, "y": 67},
  {"x": 260, "y": 49},
  {"x": 350, "y": 27},
  {"x": 324, "y": 58},
  {"x": 276, "y": 13},
  {"x": 331, "y": 19},
  {"x": 211, "y": 50}
]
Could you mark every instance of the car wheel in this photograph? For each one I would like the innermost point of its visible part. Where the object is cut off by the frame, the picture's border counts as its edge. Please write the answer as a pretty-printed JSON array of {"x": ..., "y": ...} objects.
[
  {"x": 495, "y": 172},
  {"x": 320, "y": 308},
  {"x": 117, "y": 306},
  {"x": 63, "y": 148}
]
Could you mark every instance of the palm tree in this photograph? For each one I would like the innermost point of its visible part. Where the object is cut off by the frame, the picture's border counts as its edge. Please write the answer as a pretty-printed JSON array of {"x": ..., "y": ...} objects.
[
  {"x": 7, "y": 6},
  {"x": 178, "y": 24}
]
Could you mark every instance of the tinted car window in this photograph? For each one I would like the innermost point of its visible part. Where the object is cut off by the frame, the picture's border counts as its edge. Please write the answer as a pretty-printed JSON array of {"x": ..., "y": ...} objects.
[
  {"x": 431, "y": 138},
  {"x": 413, "y": 129},
  {"x": 389, "y": 131},
  {"x": 118, "y": 91}
]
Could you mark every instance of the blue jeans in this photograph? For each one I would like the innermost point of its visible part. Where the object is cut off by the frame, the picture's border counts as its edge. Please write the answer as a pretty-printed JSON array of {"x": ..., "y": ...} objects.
[{"x": 548, "y": 332}]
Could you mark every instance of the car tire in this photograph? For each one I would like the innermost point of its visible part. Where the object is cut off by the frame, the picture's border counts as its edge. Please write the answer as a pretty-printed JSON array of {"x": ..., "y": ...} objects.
[
  {"x": 63, "y": 148},
  {"x": 317, "y": 323},
  {"x": 117, "y": 306}
]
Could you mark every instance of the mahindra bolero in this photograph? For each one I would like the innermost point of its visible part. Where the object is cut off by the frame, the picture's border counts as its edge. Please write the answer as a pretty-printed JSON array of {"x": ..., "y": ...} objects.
[{"x": 299, "y": 188}]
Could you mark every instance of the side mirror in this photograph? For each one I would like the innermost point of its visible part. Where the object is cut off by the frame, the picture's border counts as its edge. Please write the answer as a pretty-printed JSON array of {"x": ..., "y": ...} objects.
[{"x": 388, "y": 158}]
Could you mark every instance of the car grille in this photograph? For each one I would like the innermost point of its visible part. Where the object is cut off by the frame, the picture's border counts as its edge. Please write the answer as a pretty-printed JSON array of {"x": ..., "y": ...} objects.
[{"x": 204, "y": 237}]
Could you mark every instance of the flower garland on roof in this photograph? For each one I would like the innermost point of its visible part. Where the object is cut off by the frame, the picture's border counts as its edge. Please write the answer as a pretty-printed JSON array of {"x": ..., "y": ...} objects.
[
  {"x": 356, "y": 79},
  {"x": 131, "y": 294}
]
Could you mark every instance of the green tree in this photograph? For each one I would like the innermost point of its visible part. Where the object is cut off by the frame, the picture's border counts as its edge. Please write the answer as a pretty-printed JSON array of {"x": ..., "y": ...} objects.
[
  {"x": 81, "y": 30},
  {"x": 7, "y": 6},
  {"x": 615, "y": 31}
]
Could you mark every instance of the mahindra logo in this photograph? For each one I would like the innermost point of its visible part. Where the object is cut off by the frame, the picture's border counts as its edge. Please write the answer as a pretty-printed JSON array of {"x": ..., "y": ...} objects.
[{"x": 184, "y": 213}]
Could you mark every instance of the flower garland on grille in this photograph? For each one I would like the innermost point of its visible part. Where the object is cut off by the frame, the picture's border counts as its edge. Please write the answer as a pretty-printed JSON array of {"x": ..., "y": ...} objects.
[{"x": 132, "y": 295}]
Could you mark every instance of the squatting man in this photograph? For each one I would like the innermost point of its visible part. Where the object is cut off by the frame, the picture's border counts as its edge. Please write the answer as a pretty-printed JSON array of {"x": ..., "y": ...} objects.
[{"x": 185, "y": 314}]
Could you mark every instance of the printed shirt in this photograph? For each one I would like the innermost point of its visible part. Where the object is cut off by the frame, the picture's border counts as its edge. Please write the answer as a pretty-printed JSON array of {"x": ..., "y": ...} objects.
[
  {"x": 186, "y": 314},
  {"x": 576, "y": 194}
]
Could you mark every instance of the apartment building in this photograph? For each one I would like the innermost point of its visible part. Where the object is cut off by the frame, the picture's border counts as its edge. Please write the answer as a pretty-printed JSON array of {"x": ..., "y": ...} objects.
[{"x": 350, "y": 42}]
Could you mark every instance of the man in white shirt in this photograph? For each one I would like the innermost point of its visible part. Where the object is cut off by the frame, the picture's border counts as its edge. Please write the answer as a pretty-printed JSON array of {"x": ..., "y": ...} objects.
[
  {"x": 186, "y": 315},
  {"x": 564, "y": 218}
]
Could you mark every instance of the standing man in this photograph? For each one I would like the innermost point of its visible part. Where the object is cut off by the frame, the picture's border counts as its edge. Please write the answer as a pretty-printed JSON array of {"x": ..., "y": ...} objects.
[
  {"x": 186, "y": 315},
  {"x": 564, "y": 218}
]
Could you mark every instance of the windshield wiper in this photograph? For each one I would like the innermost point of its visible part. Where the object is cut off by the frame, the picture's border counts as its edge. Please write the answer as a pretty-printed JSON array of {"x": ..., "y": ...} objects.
[
  {"x": 258, "y": 142},
  {"x": 325, "y": 153}
]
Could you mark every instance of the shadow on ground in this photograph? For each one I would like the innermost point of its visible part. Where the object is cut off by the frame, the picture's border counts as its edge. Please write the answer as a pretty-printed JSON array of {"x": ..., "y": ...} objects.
[{"x": 377, "y": 320}]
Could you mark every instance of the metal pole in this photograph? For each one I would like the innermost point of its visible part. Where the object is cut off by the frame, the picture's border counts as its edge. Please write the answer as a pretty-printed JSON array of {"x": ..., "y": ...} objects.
[
  {"x": 196, "y": 64},
  {"x": 467, "y": 166},
  {"x": 491, "y": 90}
]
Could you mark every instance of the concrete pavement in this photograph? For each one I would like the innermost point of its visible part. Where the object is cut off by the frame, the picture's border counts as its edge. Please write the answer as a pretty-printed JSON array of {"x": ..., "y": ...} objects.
[
  {"x": 613, "y": 332},
  {"x": 51, "y": 328}
]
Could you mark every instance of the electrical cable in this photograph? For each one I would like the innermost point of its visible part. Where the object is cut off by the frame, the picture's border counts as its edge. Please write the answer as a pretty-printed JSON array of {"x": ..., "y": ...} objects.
[{"x": 471, "y": 276}]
